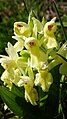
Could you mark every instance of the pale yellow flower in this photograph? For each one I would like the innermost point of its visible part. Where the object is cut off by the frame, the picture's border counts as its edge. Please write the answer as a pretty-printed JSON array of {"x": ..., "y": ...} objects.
[
  {"x": 49, "y": 30},
  {"x": 31, "y": 94},
  {"x": 9, "y": 61},
  {"x": 38, "y": 57},
  {"x": 22, "y": 29},
  {"x": 6, "y": 78},
  {"x": 43, "y": 79}
]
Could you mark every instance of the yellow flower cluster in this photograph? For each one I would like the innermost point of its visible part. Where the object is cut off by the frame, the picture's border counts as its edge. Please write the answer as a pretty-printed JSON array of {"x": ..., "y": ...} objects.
[{"x": 34, "y": 46}]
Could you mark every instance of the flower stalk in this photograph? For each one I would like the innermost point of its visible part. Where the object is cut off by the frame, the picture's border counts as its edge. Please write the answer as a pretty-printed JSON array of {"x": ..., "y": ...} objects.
[{"x": 62, "y": 27}]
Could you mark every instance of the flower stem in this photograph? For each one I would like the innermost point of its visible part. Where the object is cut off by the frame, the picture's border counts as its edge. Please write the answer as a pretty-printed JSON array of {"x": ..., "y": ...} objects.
[
  {"x": 26, "y": 7},
  {"x": 62, "y": 27}
]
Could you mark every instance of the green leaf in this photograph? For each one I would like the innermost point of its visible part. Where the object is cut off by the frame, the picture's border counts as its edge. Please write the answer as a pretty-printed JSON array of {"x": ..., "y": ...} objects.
[
  {"x": 52, "y": 102},
  {"x": 18, "y": 104},
  {"x": 62, "y": 57},
  {"x": 44, "y": 98},
  {"x": 63, "y": 69},
  {"x": 19, "y": 91},
  {"x": 10, "y": 99}
]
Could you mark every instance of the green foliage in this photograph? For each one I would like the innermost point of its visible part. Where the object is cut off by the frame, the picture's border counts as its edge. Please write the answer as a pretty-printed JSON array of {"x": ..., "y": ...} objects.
[
  {"x": 15, "y": 101},
  {"x": 48, "y": 107},
  {"x": 10, "y": 99}
]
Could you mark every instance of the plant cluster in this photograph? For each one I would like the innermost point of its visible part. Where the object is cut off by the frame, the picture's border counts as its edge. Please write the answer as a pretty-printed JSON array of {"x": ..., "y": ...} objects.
[{"x": 28, "y": 68}]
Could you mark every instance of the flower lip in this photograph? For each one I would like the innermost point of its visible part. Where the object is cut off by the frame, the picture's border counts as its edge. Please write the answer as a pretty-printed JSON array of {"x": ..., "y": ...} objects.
[
  {"x": 32, "y": 43},
  {"x": 50, "y": 27},
  {"x": 19, "y": 25}
]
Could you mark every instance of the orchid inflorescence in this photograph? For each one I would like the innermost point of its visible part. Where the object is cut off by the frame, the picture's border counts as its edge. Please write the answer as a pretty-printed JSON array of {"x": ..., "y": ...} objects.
[{"x": 31, "y": 59}]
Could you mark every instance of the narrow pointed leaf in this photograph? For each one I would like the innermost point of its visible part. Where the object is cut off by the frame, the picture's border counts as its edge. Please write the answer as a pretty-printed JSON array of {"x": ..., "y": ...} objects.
[
  {"x": 17, "y": 90},
  {"x": 10, "y": 99}
]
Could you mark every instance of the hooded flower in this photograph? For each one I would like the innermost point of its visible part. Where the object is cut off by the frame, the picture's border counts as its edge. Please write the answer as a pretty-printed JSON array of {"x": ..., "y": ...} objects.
[
  {"x": 11, "y": 76},
  {"x": 9, "y": 61},
  {"x": 31, "y": 94},
  {"x": 22, "y": 29},
  {"x": 49, "y": 30},
  {"x": 6, "y": 77},
  {"x": 44, "y": 79},
  {"x": 38, "y": 57}
]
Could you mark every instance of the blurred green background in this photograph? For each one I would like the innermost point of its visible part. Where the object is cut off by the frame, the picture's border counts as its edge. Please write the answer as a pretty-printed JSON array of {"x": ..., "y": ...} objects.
[{"x": 18, "y": 10}]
